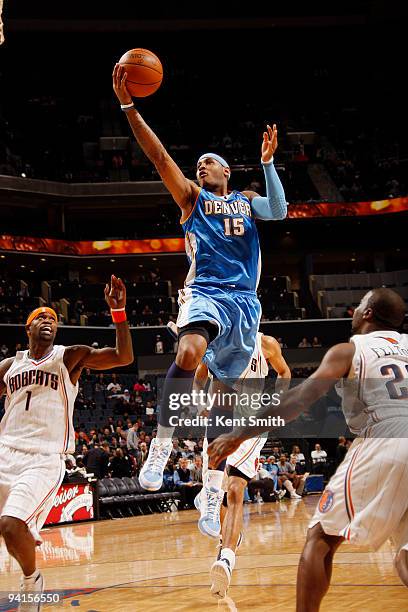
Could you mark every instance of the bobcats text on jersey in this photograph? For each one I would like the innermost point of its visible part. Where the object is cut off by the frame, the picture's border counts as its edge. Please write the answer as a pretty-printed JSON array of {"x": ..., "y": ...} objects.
[{"x": 32, "y": 377}]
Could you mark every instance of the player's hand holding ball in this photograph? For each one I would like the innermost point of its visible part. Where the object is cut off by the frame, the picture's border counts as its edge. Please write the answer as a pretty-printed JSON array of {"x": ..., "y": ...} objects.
[
  {"x": 269, "y": 143},
  {"x": 115, "y": 295},
  {"x": 138, "y": 73},
  {"x": 119, "y": 84}
]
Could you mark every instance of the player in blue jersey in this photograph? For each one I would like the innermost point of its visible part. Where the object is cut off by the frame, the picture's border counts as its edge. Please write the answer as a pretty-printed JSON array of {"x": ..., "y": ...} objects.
[{"x": 219, "y": 309}]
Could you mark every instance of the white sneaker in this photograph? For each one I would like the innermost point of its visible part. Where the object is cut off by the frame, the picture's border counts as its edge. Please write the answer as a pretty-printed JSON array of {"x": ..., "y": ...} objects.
[
  {"x": 220, "y": 573},
  {"x": 151, "y": 474},
  {"x": 281, "y": 493},
  {"x": 295, "y": 496},
  {"x": 31, "y": 586},
  {"x": 197, "y": 500},
  {"x": 210, "y": 504}
]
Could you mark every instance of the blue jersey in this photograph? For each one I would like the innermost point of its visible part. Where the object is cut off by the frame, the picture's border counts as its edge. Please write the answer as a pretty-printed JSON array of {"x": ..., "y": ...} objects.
[{"x": 222, "y": 243}]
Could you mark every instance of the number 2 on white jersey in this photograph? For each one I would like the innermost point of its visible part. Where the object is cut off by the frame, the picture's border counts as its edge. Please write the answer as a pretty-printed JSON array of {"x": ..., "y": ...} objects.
[{"x": 393, "y": 385}]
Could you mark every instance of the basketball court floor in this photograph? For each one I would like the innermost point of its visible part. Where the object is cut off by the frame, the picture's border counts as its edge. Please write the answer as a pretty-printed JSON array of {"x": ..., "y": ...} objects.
[{"x": 161, "y": 562}]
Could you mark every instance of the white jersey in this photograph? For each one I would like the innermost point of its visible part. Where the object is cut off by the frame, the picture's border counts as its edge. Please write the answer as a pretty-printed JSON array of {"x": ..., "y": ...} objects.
[
  {"x": 252, "y": 382},
  {"x": 257, "y": 369},
  {"x": 377, "y": 387},
  {"x": 39, "y": 404}
]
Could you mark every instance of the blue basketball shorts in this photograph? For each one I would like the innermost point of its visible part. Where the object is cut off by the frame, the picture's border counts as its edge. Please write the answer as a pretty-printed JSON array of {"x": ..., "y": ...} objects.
[{"x": 235, "y": 313}]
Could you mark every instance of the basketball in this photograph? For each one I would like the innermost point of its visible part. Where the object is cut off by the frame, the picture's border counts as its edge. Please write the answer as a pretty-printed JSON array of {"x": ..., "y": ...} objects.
[{"x": 144, "y": 72}]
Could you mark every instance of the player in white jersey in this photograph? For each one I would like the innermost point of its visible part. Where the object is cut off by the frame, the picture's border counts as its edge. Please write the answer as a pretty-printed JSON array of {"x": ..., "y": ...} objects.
[
  {"x": 365, "y": 502},
  {"x": 241, "y": 466},
  {"x": 36, "y": 430}
]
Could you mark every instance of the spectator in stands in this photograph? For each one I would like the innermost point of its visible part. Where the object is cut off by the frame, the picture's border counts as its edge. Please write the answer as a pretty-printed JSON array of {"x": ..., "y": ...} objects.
[
  {"x": 176, "y": 452},
  {"x": 82, "y": 438},
  {"x": 119, "y": 465},
  {"x": 276, "y": 451},
  {"x": 168, "y": 475},
  {"x": 139, "y": 386},
  {"x": 299, "y": 479},
  {"x": 114, "y": 388},
  {"x": 319, "y": 457},
  {"x": 263, "y": 483},
  {"x": 149, "y": 408},
  {"x": 184, "y": 484},
  {"x": 96, "y": 460},
  {"x": 110, "y": 424},
  {"x": 304, "y": 343},
  {"x": 121, "y": 436},
  {"x": 197, "y": 471},
  {"x": 300, "y": 458},
  {"x": 132, "y": 440},
  {"x": 348, "y": 313},
  {"x": 269, "y": 464},
  {"x": 282, "y": 344},
  {"x": 316, "y": 342},
  {"x": 159, "y": 347},
  {"x": 146, "y": 310},
  {"x": 287, "y": 477},
  {"x": 141, "y": 455},
  {"x": 4, "y": 352},
  {"x": 341, "y": 450}
]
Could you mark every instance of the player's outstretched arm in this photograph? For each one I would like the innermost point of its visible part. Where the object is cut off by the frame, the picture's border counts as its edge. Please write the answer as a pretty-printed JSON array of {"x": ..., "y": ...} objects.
[
  {"x": 78, "y": 357},
  {"x": 4, "y": 368},
  {"x": 182, "y": 189},
  {"x": 335, "y": 365},
  {"x": 273, "y": 207}
]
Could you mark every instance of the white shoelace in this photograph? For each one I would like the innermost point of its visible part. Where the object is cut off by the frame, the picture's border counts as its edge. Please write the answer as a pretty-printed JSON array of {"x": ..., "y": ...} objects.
[
  {"x": 157, "y": 460},
  {"x": 213, "y": 504}
]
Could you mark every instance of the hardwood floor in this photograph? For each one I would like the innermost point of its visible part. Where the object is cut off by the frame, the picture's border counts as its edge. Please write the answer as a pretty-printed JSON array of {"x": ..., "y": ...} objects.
[{"x": 161, "y": 562}]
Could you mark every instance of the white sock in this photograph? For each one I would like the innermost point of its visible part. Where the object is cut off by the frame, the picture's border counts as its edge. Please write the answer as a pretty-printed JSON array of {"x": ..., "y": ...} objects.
[
  {"x": 228, "y": 553},
  {"x": 215, "y": 478},
  {"x": 205, "y": 462},
  {"x": 164, "y": 434},
  {"x": 289, "y": 486},
  {"x": 34, "y": 575}
]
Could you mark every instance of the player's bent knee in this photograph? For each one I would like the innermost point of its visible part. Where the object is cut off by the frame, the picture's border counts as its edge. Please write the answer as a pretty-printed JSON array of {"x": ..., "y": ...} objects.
[
  {"x": 235, "y": 492},
  {"x": 189, "y": 356},
  {"x": 11, "y": 528}
]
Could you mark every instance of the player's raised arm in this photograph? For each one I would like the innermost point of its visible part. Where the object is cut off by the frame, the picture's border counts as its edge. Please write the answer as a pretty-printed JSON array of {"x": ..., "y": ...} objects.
[
  {"x": 4, "y": 367},
  {"x": 182, "y": 189},
  {"x": 273, "y": 207},
  {"x": 78, "y": 357},
  {"x": 335, "y": 365}
]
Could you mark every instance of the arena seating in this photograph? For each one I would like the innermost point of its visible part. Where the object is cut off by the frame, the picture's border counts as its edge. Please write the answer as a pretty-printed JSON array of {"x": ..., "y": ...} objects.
[
  {"x": 149, "y": 303},
  {"x": 120, "y": 497},
  {"x": 278, "y": 299},
  {"x": 335, "y": 292}
]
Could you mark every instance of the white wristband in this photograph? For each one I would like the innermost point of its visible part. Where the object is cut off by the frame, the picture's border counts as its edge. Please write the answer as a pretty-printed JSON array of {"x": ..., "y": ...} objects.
[
  {"x": 267, "y": 163},
  {"x": 118, "y": 309},
  {"x": 125, "y": 106}
]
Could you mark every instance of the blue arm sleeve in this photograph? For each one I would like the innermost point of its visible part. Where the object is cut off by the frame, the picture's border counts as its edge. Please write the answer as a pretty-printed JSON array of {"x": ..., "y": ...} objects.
[{"x": 273, "y": 207}]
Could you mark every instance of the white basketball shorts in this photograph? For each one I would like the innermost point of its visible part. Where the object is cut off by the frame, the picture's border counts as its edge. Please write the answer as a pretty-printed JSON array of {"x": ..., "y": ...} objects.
[
  {"x": 246, "y": 457},
  {"x": 28, "y": 485},
  {"x": 366, "y": 500}
]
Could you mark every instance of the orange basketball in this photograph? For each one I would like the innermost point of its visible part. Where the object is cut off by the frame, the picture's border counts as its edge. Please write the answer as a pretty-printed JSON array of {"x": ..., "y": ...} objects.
[{"x": 144, "y": 72}]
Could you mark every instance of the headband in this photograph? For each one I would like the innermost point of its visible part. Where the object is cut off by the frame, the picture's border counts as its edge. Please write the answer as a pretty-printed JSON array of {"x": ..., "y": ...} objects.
[
  {"x": 33, "y": 315},
  {"x": 218, "y": 158}
]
